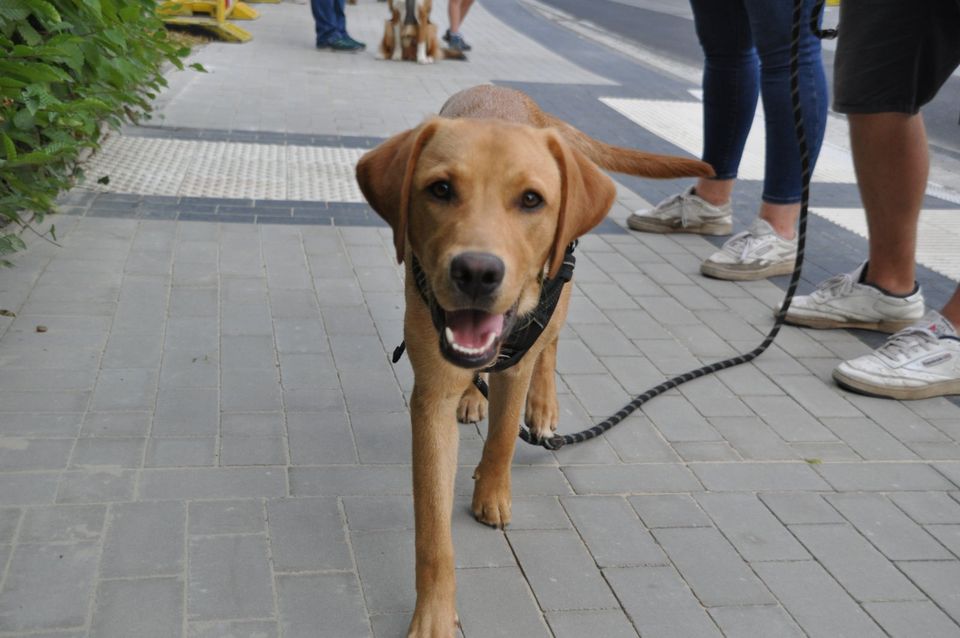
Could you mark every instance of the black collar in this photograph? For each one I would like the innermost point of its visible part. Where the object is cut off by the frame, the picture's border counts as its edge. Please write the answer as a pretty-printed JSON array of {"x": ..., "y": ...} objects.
[{"x": 528, "y": 327}]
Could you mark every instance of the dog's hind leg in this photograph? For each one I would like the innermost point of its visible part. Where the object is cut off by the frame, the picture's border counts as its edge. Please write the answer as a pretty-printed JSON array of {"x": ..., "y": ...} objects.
[
  {"x": 543, "y": 412},
  {"x": 473, "y": 405}
]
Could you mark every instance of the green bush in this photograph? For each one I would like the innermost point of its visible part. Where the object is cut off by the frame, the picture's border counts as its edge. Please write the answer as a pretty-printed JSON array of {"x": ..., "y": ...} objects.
[{"x": 67, "y": 67}]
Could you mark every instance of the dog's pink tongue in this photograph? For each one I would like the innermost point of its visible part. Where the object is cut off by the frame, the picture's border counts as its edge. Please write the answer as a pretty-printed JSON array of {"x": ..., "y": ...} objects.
[{"x": 472, "y": 328}]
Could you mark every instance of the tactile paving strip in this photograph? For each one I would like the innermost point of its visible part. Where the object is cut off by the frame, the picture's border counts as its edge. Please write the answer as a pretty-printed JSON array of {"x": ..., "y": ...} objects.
[
  {"x": 156, "y": 166},
  {"x": 938, "y": 235},
  {"x": 681, "y": 124}
]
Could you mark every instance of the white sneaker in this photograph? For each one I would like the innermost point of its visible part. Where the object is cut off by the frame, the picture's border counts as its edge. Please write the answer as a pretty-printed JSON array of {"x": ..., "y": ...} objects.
[
  {"x": 916, "y": 363},
  {"x": 756, "y": 253},
  {"x": 684, "y": 213},
  {"x": 844, "y": 302}
]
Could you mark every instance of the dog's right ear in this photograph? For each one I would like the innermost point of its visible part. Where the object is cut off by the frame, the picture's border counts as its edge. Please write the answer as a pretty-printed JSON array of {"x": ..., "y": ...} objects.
[{"x": 385, "y": 175}]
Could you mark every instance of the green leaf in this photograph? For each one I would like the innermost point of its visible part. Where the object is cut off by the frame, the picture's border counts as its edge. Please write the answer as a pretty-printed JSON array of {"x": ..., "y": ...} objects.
[{"x": 10, "y": 150}]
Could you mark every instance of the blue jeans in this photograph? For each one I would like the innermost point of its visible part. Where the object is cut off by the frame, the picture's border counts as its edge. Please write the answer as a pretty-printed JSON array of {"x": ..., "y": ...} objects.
[
  {"x": 330, "y": 20},
  {"x": 747, "y": 48}
]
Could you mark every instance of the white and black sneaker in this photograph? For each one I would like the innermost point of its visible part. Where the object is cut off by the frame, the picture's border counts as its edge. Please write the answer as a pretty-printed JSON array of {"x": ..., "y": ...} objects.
[
  {"x": 918, "y": 362},
  {"x": 756, "y": 253},
  {"x": 845, "y": 301},
  {"x": 684, "y": 212}
]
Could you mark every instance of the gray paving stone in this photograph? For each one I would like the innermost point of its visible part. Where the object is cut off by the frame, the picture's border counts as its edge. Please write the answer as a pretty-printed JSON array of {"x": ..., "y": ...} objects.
[
  {"x": 939, "y": 580},
  {"x": 613, "y": 533},
  {"x": 146, "y": 608},
  {"x": 253, "y": 450},
  {"x": 242, "y": 516},
  {"x": 233, "y": 629},
  {"x": 320, "y": 438},
  {"x": 476, "y": 545},
  {"x": 385, "y": 563},
  {"x": 902, "y": 423},
  {"x": 633, "y": 479},
  {"x": 678, "y": 420},
  {"x": 125, "y": 389},
  {"x": 382, "y": 437},
  {"x": 250, "y": 389},
  {"x": 229, "y": 577},
  {"x": 181, "y": 452},
  {"x": 669, "y": 510},
  {"x": 211, "y": 483},
  {"x": 62, "y": 576},
  {"x": 659, "y": 603},
  {"x": 789, "y": 419},
  {"x": 758, "y": 477},
  {"x": 635, "y": 440},
  {"x": 712, "y": 568},
  {"x": 797, "y": 508},
  {"x": 132, "y": 351},
  {"x": 928, "y": 507},
  {"x": 883, "y": 477},
  {"x": 889, "y": 529},
  {"x": 18, "y": 454},
  {"x": 33, "y": 424},
  {"x": 706, "y": 451},
  {"x": 571, "y": 583},
  {"x": 815, "y": 600},
  {"x": 9, "y": 521},
  {"x": 751, "y": 621},
  {"x": 28, "y": 489},
  {"x": 751, "y": 528},
  {"x": 576, "y": 624},
  {"x": 948, "y": 535},
  {"x": 497, "y": 603},
  {"x": 863, "y": 571},
  {"x": 868, "y": 439},
  {"x": 371, "y": 390},
  {"x": 322, "y": 606},
  {"x": 55, "y": 524},
  {"x": 144, "y": 539},
  {"x": 122, "y": 424},
  {"x": 307, "y": 534},
  {"x": 914, "y": 618},
  {"x": 753, "y": 439},
  {"x": 193, "y": 302},
  {"x": 247, "y": 351},
  {"x": 350, "y": 480},
  {"x": 373, "y": 513},
  {"x": 816, "y": 453},
  {"x": 605, "y": 340},
  {"x": 95, "y": 486},
  {"x": 949, "y": 470},
  {"x": 103, "y": 453}
]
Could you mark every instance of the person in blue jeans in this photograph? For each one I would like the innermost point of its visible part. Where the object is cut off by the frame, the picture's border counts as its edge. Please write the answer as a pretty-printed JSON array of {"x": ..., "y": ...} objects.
[
  {"x": 331, "y": 26},
  {"x": 746, "y": 44}
]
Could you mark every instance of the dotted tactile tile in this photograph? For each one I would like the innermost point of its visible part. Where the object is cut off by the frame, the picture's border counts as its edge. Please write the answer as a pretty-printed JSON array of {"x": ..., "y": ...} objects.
[
  {"x": 153, "y": 166},
  {"x": 937, "y": 236},
  {"x": 681, "y": 124}
]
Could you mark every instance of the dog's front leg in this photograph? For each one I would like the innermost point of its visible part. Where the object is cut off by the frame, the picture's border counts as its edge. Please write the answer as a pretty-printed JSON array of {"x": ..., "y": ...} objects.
[
  {"x": 435, "y": 439},
  {"x": 491, "y": 492}
]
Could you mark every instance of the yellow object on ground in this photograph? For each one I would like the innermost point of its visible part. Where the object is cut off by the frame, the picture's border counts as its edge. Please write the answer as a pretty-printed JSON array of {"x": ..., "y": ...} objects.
[{"x": 211, "y": 15}]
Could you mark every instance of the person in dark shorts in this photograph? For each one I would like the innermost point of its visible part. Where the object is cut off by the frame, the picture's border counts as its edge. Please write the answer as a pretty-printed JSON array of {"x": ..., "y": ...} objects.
[{"x": 892, "y": 58}]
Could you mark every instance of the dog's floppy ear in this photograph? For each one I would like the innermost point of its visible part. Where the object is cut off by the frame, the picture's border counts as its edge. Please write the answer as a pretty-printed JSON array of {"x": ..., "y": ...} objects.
[
  {"x": 586, "y": 195},
  {"x": 385, "y": 174}
]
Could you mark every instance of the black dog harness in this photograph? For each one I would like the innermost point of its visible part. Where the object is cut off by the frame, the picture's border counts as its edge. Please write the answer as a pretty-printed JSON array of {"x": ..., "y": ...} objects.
[{"x": 529, "y": 327}]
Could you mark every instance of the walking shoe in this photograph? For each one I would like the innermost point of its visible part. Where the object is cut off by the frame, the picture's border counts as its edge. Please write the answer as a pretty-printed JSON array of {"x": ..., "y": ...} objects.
[
  {"x": 684, "y": 213},
  {"x": 462, "y": 46},
  {"x": 916, "y": 363},
  {"x": 756, "y": 253},
  {"x": 344, "y": 44},
  {"x": 844, "y": 301}
]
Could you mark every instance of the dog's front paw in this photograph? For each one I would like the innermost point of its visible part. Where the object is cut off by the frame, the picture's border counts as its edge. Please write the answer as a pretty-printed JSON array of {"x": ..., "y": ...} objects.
[
  {"x": 491, "y": 500},
  {"x": 542, "y": 415},
  {"x": 434, "y": 620},
  {"x": 472, "y": 407},
  {"x": 425, "y": 60}
]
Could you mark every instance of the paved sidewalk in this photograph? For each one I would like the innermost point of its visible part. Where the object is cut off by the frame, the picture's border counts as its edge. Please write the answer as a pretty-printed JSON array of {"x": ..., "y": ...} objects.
[{"x": 209, "y": 440}]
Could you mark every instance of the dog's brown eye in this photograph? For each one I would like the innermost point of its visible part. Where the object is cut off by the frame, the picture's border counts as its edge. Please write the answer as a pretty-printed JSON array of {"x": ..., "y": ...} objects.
[
  {"x": 441, "y": 189},
  {"x": 531, "y": 200}
]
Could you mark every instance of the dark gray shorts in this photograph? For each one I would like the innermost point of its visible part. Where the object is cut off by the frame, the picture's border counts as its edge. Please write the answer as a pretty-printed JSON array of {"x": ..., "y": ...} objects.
[{"x": 894, "y": 55}]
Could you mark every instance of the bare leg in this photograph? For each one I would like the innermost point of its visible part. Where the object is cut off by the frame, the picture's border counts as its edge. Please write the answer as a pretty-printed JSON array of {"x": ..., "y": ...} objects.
[
  {"x": 783, "y": 217},
  {"x": 891, "y": 160},
  {"x": 952, "y": 310},
  {"x": 715, "y": 191},
  {"x": 457, "y": 12}
]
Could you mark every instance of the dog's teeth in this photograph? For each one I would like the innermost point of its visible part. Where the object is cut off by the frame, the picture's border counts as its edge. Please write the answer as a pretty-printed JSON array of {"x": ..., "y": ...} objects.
[
  {"x": 448, "y": 333},
  {"x": 490, "y": 339}
]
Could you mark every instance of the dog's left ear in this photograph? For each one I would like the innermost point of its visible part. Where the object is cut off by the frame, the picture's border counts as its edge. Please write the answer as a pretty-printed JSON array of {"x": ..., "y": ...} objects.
[
  {"x": 385, "y": 175},
  {"x": 586, "y": 196}
]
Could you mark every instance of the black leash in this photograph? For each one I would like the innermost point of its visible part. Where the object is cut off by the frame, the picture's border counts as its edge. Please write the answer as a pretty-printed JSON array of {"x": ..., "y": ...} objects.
[{"x": 558, "y": 441}]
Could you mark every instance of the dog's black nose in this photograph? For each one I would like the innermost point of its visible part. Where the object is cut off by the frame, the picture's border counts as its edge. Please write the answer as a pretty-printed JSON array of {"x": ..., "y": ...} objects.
[{"x": 476, "y": 274}]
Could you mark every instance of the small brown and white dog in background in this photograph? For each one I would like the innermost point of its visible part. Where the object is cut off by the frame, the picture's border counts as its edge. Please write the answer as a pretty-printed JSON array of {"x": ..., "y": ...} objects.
[{"x": 409, "y": 34}]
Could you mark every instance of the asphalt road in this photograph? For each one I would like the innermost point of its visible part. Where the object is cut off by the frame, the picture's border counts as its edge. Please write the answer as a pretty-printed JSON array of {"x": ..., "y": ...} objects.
[{"x": 666, "y": 26}]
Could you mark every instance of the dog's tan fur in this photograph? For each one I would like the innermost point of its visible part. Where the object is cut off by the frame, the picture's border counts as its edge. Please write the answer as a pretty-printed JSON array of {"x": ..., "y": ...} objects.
[{"x": 492, "y": 144}]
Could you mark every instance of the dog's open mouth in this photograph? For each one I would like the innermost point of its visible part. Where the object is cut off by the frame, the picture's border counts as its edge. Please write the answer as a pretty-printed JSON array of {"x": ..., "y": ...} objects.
[{"x": 471, "y": 337}]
